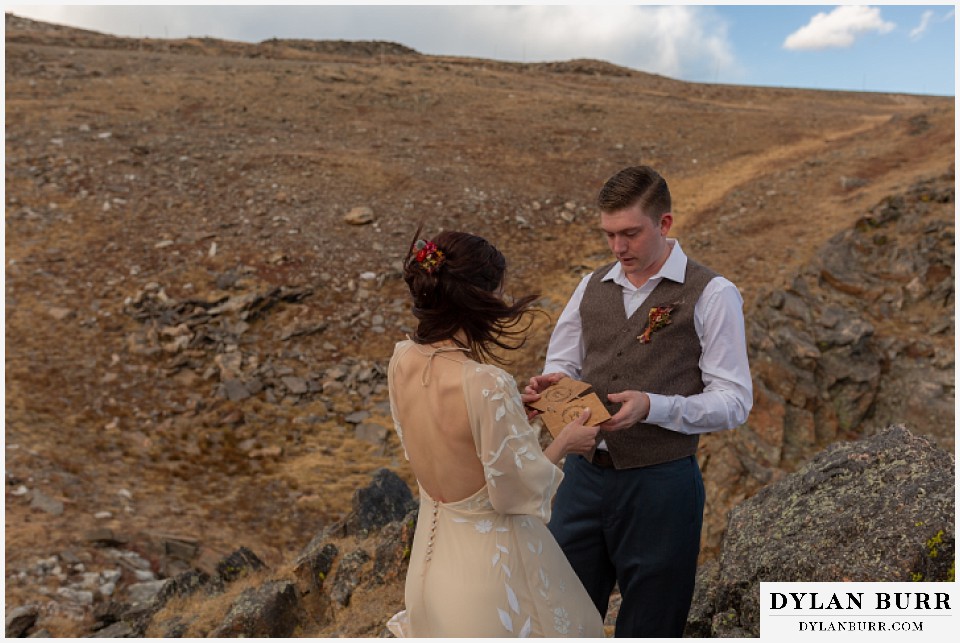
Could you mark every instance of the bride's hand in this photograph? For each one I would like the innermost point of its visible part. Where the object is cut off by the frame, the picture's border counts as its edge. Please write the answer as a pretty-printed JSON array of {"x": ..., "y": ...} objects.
[{"x": 578, "y": 438}]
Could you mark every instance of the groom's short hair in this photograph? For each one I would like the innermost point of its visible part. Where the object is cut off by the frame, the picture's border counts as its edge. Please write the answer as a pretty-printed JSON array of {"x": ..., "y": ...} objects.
[{"x": 637, "y": 184}]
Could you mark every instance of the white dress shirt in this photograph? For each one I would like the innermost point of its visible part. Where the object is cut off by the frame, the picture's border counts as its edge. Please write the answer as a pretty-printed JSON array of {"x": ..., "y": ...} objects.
[{"x": 727, "y": 396}]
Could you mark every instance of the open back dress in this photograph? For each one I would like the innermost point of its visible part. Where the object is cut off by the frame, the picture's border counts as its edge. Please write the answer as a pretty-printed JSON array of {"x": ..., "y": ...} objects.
[{"x": 486, "y": 565}]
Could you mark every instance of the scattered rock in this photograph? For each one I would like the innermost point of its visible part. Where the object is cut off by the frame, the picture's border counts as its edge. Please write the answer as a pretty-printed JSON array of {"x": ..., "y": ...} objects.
[
  {"x": 145, "y": 592},
  {"x": 59, "y": 313},
  {"x": 185, "y": 584},
  {"x": 356, "y": 417},
  {"x": 118, "y": 630},
  {"x": 360, "y": 215},
  {"x": 373, "y": 433},
  {"x": 266, "y": 452},
  {"x": 852, "y": 182},
  {"x": 21, "y": 620},
  {"x": 104, "y": 537},
  {"x": 235, "y": 390},
  {"x": 108, "y": 612},
  {"x": 296, "y": 385},
  {"x": 238, "y": 564},
  {"x": 348, "y": 576},
  {"x": 43, "y": 502},
  {"x": 78, "y": 596}
]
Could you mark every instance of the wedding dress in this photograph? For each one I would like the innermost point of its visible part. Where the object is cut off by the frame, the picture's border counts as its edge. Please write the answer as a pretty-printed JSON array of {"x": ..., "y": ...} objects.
[{"x": 486, "y": 566}]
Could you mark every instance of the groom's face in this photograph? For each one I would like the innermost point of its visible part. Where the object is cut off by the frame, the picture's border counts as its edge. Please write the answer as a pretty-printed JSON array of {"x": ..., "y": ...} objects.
[{"x": 638, "y": 241}]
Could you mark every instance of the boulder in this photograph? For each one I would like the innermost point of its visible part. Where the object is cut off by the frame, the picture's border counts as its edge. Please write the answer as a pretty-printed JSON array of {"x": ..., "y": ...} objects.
[
  {"x": 348, "y": 576},
  {"x": 271, "y": 610},
  {"x": 312, "y": 568},
  {"x": 880, "y": 509},
  {"x": 385, "y": 500},
  {"x": 184, "y": 584},
  {"x": 392, "y": 553}
]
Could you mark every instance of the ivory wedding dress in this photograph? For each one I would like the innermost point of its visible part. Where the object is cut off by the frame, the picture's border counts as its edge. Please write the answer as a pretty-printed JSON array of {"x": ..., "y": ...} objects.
[{"x": 486, "y": 566}]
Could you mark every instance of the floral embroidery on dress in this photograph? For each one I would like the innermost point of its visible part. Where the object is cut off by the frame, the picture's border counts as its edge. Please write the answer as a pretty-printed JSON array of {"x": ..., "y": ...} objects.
[
  {"x": 520, "y": 454},
  {"x": 506, "y": 620},
  {"x": 561, "y": 622},
  {"x": 490, "y": 474},
  {"x": 483, "y": 526},
  {"x": 525, "y": 630}
]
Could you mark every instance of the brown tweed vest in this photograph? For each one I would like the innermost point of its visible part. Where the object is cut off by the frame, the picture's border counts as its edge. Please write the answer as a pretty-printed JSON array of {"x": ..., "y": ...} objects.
[{"x": 669, "y": 364}]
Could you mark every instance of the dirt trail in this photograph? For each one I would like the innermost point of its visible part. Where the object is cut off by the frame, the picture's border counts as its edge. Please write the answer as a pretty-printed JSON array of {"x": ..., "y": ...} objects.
[{"x": 705, "y": 192}]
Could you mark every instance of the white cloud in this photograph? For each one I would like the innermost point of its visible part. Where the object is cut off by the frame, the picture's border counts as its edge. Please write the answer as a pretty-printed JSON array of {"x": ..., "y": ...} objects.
[
  {"x": 677, "y": 41},
  {"x": 839, "y": 28},
  {"x": 685, "y": 42},
  {"x": 925, "y": 19}
]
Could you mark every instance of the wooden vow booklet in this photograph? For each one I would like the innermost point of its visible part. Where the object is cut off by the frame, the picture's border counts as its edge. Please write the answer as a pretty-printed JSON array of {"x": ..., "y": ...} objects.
[{"x": 562, "y": 403}]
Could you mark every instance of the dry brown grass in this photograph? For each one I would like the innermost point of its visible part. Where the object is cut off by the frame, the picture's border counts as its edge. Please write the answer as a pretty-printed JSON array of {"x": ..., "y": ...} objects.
[{"x": 458, "y": 143}]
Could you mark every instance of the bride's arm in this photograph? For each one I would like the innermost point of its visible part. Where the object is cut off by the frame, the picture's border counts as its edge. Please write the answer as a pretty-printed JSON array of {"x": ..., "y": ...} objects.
[{"x": 521, "y": 478}]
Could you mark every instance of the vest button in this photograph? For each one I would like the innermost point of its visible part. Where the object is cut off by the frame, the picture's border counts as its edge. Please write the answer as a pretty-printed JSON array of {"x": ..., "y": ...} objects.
[
  {"x": 619, "y": 353},
  {"x": 615, "y": 377}
]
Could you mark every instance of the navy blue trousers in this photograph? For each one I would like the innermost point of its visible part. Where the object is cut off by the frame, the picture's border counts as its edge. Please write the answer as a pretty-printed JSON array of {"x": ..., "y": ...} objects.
[{"x": 639, "y": 528}]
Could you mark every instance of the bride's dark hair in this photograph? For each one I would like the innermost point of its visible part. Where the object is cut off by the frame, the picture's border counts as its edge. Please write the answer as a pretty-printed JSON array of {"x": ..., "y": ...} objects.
[{"x": 463, "y": 293}]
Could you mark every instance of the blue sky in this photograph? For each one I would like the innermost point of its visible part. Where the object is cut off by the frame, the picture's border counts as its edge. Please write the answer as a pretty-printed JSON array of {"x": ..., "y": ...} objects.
[{"x": 880, "y": 47}]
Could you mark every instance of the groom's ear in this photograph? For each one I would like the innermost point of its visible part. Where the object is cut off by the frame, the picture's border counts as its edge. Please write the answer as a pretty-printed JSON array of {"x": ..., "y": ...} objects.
[{"x": 666, "y": 222}]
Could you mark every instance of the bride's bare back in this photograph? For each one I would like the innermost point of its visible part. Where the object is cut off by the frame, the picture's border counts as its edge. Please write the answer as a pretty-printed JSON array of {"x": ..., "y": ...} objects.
[{"x": 427, "y": 384}]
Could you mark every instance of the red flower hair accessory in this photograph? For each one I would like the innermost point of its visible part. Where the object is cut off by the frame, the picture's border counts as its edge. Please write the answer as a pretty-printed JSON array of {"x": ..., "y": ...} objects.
[{"x": 428, "y": 256}]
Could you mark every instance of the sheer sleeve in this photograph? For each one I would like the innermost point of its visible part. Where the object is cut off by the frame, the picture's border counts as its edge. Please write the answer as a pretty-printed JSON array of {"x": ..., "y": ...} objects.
[{"x": 520, "y": 478}]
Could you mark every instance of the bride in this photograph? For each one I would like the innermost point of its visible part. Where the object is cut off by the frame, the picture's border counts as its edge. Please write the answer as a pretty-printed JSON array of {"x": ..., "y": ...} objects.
[{"x": 483, "y": 563}]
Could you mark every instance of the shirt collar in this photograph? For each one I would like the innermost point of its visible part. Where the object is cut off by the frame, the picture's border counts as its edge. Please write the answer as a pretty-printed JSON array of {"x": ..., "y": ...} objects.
[{"x": 674, "y": 268}]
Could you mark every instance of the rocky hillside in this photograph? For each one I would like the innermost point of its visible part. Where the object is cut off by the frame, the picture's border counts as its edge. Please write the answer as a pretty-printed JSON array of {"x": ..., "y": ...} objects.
[
  {"x": 880, "y": 508},
  {"x": 861, "y": 338},
  {"x": 201, "y": 283}
]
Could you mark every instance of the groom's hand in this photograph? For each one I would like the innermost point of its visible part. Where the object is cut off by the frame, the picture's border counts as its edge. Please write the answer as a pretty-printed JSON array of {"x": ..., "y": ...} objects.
[{"x": 635, "y": 407}]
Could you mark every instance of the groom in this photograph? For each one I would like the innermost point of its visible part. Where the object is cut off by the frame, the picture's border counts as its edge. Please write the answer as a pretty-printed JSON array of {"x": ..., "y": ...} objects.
[{"x": 661, "y": 338}]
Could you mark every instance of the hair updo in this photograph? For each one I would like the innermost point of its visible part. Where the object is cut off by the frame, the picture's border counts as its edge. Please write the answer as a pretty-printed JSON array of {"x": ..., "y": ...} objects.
[{"x": 463, "y": 293}]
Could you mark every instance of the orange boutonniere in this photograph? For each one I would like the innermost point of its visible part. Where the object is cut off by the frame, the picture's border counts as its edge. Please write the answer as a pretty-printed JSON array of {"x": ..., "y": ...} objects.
[{"x": 658, "y": 318}]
